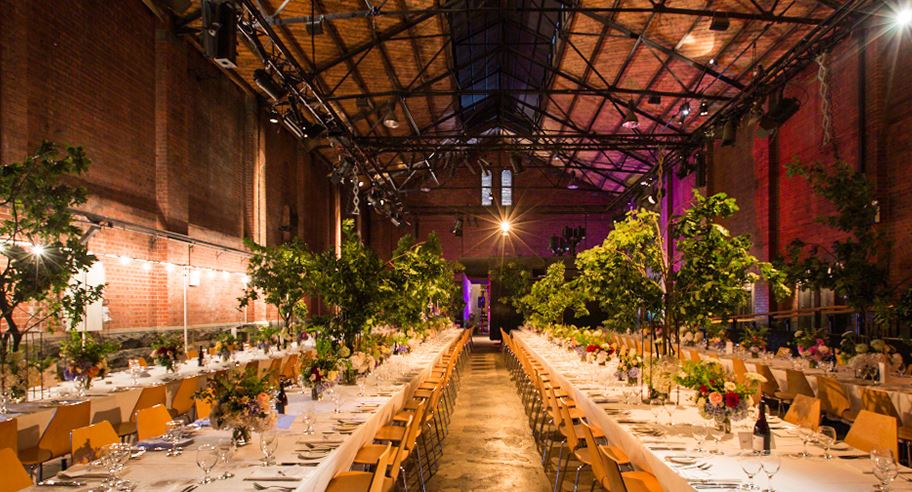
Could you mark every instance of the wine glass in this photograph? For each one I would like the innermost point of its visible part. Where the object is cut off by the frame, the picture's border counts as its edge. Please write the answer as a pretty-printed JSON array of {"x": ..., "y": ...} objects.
[
  {"x": 135, "y": 370},
  {"x": 269, "y": 443},
  {"x": 207, "y": 456},
  {"x": 336, "y": 399},
  {"x": 751, "y": 468},
  {"x": 826, "y": 437},
  {"x": 770, "y": 464},
  {"x": 884, "y": 467},
  {"x": 655, "y": 406},
  {"x": 309, "y": 417},
  {"x": 361, "y": 382},
  {"x": 173, "y": 432},
  {"x": 716, "y": 434},
  {"x": 226, "y": 452},
  {"x": 806, "y": 435},
  {"x": 699, "y": 435}
]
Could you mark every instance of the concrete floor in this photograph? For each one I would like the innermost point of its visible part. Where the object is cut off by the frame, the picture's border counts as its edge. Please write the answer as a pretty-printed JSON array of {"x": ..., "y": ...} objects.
[{"x": 489, "y": 446}]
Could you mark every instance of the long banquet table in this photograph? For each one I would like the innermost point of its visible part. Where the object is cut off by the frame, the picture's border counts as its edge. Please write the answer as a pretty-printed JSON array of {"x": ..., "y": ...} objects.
[
  {"x": 400, "y": 375},
  {"x": 591, "y": 386}
]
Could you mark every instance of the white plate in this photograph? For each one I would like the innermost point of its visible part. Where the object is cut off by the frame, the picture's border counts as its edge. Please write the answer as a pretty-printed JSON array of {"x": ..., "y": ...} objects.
[
  {"x": 840, "y": 446},
  {"x": 681, "y": 460}
]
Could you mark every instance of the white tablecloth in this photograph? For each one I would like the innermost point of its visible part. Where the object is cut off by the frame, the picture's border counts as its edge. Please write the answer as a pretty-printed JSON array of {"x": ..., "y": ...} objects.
[{"x": 796, "y": 474}]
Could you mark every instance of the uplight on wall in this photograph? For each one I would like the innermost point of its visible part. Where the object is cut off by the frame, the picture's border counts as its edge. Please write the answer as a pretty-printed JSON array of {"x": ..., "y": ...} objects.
[
  {"x": 505, "y": 227},
  {"x": 193, "y": 279}
]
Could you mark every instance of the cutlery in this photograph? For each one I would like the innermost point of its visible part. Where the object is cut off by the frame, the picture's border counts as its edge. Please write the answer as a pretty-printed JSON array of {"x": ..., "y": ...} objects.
[
  {"x": 668, "y": 448},
  {"x": 61, "y": 483},
  {"x": 268, "y": 487},
  {"x": 190, "y": 487},
  {"x": 299, "y": 463},
  {"x": 851, "y": 456}
]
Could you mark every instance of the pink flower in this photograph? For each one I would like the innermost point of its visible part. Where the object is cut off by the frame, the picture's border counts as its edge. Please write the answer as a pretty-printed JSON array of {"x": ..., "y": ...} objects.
[{"x": 715, "y": 398}]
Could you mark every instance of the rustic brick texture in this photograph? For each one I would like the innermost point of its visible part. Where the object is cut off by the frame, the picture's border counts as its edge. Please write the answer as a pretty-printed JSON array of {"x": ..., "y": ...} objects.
[{"x": 173, "y": 142}]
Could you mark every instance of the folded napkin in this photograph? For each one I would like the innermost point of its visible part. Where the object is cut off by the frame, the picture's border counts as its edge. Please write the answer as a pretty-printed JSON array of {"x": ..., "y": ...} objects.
[
  {"x": 279, "y": 473},
  {"x": 161, "y": 443},
  {"x": 285, "y": 421},
  {"x": 203, "y": 422},
  {"x": 83, "y": 471}
]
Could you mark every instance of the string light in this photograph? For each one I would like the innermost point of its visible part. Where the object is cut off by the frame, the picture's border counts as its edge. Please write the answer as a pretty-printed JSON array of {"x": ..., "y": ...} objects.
[
  {"x": 146, "y": 266},
  {"x": 125, "y": 260},
  {"x": 149, "y": 265}
]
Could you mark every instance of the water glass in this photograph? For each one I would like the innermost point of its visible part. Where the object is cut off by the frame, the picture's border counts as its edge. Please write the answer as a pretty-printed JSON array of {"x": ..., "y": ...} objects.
[
  {"x": 699, "y": 435},
  {"x": 716, "y": 435},
  {"x": 826, "y": 437},
  {"x": 885, "y": 469},
  {"x": 806, "y": 435},
  {"x": 751, "y": 468},
  {"x": 361, "y": 382},
  {"x": 207, "y": 456},
  {"x": 174, "y": 430},
  {"x": 336, "y": 398},
  {"x": 655, "y": 406},
  {"x": 226, "y": 452},
  {"x": 269, "y": 443},
  {"x": 770, "y": 465}
]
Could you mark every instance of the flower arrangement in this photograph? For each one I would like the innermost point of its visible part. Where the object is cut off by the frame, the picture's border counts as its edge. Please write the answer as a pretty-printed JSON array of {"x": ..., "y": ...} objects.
[
  {"x": 265, "y": 336},
  {"x": 754, "y": 340},
  {"x": 629, "y": 365},
  {"x": 362, "y": 363},
  {"x": 691, "y": 336},
  {"x": 600, "y": 353},
  {"x": 717, "y": 395},
  {"x": 660, "y": 374},
  {"x": 166, "y": 351},
  {"x": 86, "y": 357},
  {"x": 225, "y": 344},
  {"x": 241, "y": 402},
  {"x": 868, "y": 357},
  {"x": 816, "y": 352},
  {"x": 321, "y": 365}
]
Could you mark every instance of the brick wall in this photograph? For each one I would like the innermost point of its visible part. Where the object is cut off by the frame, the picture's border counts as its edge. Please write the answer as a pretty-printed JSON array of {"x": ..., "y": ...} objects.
[{"x": 174, "y": 145}]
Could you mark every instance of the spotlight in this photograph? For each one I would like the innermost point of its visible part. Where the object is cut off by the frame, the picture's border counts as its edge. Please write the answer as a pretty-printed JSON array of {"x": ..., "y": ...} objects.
[
  {"x": 517, "y": 163},
  {"x": 219, "y": 33},
  {"x": 37, "y": 250},
  {"x": 505, "y": 227},
  {"x": 457, "y": 228},
  {"x": 651, "y": 199},
  {"x": 685, "y": 110},
  {"x": 264, "y": 81},
  {"x": 573, "y": 184},
  {"x": 314, "y": 25},
  {"x": 396, "y": 220},
  {"x": 720, "y": 22},
  {"x": 313, "y": 130},
  {"x": 630, "y": 118},
  {"x": 904, "y": 17},
  {"x": 274, "y": 117},
  {"x": 704, "y": 109},
  {"x": 293, "y": 127},
  {"x": 390, "y": 120},
  {"x": 712, "y": 61},
  {"x": 729, "y": 132},
  {"x": 338, "y": 175}
]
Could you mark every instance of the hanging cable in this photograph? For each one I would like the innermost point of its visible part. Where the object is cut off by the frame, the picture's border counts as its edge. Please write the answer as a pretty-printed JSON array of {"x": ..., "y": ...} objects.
[{"x": 824, "y": 88}]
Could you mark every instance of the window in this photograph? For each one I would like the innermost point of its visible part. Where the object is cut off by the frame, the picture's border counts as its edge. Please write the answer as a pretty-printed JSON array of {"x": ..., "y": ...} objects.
[
  {"x": 506, "y": 187},
  {"x": 487, "y": 195}
]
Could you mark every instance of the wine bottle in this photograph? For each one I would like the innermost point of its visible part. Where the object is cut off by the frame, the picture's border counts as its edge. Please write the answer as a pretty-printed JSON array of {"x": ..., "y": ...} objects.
[
  {"x": 199, "y": 357},
  {"x": 762, "y": 434},
  {"x": 281, "y": 399}
]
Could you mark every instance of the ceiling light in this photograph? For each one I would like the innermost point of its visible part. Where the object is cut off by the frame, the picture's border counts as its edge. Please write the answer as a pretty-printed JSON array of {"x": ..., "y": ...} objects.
[
  {"x": 457, "y": 228},
  {"x": 264, "y": 81},
  {"x": 720, "y": 22},
  {"x": 904, "y": 17},
  {"x": 712, "y": 61},
  {"x": 573, "y": 184},
  {"x": 630, "y": 118},
  {"x": 685, "y": 109},
  {"x": 314, "y": 25},
  {"x": 390, "y": 121},
  {"x": 274, "y": 116},
  {"x": 313, "y": 130},
  {"x": 704, "y": 109},
  {"x": 505, "y": 227}
]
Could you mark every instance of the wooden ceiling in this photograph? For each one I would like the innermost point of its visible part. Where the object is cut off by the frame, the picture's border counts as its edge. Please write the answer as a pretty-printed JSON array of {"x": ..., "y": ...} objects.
[{"x": 547, "y": 80}]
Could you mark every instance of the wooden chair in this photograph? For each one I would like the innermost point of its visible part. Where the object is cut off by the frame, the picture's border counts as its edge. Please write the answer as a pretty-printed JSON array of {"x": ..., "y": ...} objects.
[
  {"x": 608, "y": 472},
  {"x": 182, "y": 401},
  {"x": 274, "y": 370},
  {"x": 9, "y": 434},
  {"x": 873, "y": 430},
  {"x": 192, "y": 354},
  {"x": 370, "y": 454},
  {"x": 575, "y": 435},
  {"x": 797, "y": 385},
  {"x": 150, "y": 396},
  {"x": 15, "y": 477},
  {"x": 203, "y": 407},
  {"x": 152, "y": 422},
  {"x": 142, "y": 362},
  {"x": 739, "y": 369},
  {"x": 694, "y": 355},
  {"x": 86, "y": 441},
  {"x": 290, "y": 370},
  {"x": 880, "y": 402},
  {"x": 805, "y": 411},
  {"x": 358, "y": 481},
  {"x": 55, "y": 442},
  {"x": 834, "y": 401}
]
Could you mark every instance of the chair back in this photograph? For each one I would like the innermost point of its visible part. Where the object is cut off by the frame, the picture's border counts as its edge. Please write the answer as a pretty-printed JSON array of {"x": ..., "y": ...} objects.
[
  {"x": 567, "y": 427},
  {"x": 275, "y": 369},
  {"x": 411, "y": 434},
  {"x": 694, "y": 355},
  {"x": 152, "y": 422},
  {"x": 150, "y": 396},
  {"x": 873, "y": 431},
  {"x": 142, "y": 362},
  {"x": 15, "y": 477},
  {"x": 56, "y": 437},
  {"x": 89, "y": 439},
  {"x": 833, "y": 398},
  {"x": 614, "y": 480},
  {"x": 739, "y": 369},
  {"x": 203, "y": 407},
  {"x": 192, "y": 354},
  {"x": 377, "y": 481},
  {"x": 805, "y": 411},
  {"x": 182, "y": 401},
  {"x": 878, "y": 401},
  {"x": 290, "y": 371},
  {"x": 599, "y": 464},
  {"x": 770, "y": 386},
  {"x": 396, "y": 463},
  {"x": 798, "y": 383},
  {"x": 9, "y": 434}
]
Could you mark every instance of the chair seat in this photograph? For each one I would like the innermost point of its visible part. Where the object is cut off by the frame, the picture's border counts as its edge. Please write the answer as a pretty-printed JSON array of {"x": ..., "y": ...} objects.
[
  {"x": 584, "y": 455},
  {"x": 390, "y": 433},
  {"x": 355, "y": 481},
  {"x": 125, "y": 428},
  {"x": 640, "y": 481},
  {"x": 904, "y": 433},
  {"x": 34, "y": 456},
  {"x": 369, "y": 454},
  {"x": 596, "y": 431},
  {"x": 784, "y": 395},
  {"x": 422, "y": 393}
]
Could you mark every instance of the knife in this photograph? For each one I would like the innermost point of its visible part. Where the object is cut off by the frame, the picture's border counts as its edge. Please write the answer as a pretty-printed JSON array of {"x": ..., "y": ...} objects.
[{"x": 61, "y": 483}]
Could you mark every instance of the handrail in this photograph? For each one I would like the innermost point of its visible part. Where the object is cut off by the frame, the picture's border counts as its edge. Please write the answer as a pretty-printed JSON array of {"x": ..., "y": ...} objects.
[{"x": 786, "y": 313}]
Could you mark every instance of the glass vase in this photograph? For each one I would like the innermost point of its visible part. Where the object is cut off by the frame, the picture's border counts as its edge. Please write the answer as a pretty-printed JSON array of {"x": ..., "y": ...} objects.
[{"x": 240, "y": 436}]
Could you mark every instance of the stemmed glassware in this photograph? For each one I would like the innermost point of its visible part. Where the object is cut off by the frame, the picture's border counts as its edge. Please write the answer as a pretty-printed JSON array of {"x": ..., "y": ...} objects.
[
  {"x": 826, "y": 437},
  {"x": 885, "y": 469},
  {"x": 135, "y": 370},
  {"x": 716, "y": 435},
  {"x": 751, "y": 468},
  {"x": 806, "y": 435},
  {"x": 174, "y": 430},
  {"x": 336, "y": 398},
  {"x": 269, "y": 443},
  {"x": 207, "y": 456},
  {"x": 309, "y": 418},
  {"x": 655, "y": 406},
  {"x": 770, "y": 465},
  {"x": 699, "y": 435},
  {"x": 114, "y": 458},
  {"x": 225, "y": 452}
]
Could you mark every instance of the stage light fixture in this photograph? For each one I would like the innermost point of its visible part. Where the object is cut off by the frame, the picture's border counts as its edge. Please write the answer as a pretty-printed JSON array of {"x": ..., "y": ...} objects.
[
  {"x": 655, "y": 99},
  {"x": 457, "y": 228},
  {"x": 704, "y": 109},
  {"x": 631, "y": 121},
  {"x": 685, "y": 110},
  {"x": 264, "y": 81},
  {"x": 390, "y": 120},
  {"x": 720, "y": 22},
  {"x": 573, "y": 184},
  {"x": 274, "y": 117},
  {"x": 517, "y": 163},
  {"x": 903, "y": 16},
  {"x": 729, "y": 132}
]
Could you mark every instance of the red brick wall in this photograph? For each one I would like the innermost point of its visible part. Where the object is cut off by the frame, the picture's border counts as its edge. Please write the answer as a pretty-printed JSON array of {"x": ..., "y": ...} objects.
[{"x": 174, "y": 144}]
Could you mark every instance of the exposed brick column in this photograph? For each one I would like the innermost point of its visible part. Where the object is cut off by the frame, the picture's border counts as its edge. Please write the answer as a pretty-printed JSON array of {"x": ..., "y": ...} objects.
[{"x": 14, "y": 75}]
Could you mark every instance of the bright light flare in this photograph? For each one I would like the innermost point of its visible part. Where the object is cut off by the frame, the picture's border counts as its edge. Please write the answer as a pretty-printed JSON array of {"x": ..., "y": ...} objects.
[
  {"x": 904, "y": 16},
  {"x": 38, "y": 250},
  {"x": 505, "y": 227}
]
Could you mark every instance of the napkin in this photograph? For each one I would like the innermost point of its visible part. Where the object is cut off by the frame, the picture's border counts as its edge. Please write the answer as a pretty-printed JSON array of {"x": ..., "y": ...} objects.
[
  {"x": 161, "y": 443},
  {"x": 285, "y": 421},
  {"x": 279, "y": 473},
  {"x": 83, "y": 471}
]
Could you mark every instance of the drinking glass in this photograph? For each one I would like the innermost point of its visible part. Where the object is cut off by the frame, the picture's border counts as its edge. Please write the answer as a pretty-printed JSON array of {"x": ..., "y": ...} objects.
[
  {"x": 114, "y": 458},
  {"x": 174, "y": 430},
  {"x": 699, "y": 435},
  {"x": 309, "y": 420},
  {"x": 716, "y": 435},
  {"x": 751, "y": 468},
  {"x": 884, "y": 467},
  {"x": 4, "y": 401},
  {"x": 655, "y": 406},
  {"x": 226, "y": 452},
  {"x": 207, "y": 456},
  {"x": 826, "y": 437},
  {"x": 336, "y": 398},
  {"x": 135, "y": 370},
  {"x": 361, "y": 382},
  {"x": 806, "y": 435},
  {"x": 770, "y": 465},
  {"x": 269, "y": 442}
]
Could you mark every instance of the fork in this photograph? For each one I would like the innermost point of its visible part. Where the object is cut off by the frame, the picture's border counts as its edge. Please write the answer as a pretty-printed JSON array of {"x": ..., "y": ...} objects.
[{"x": 269, "y": 487}]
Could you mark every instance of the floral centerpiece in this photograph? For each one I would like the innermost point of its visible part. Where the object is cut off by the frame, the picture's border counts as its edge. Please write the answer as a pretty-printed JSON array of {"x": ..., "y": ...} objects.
[
  {"x": 361, "y": 363},
  {"x": 265, "y": 337},
  {"x": 319, "y": 367},
  {"x": 753, "y": 340},
  {"x": 166, "y": 351},
  {"x": 660, "y": 375},
  {"x": 814, "y": 351},
  {"x": 225, "y": 344},
  {"x": 241, "y": 402},
  {"x": 691, "y": 336},
  {"x": 86, "y": 357},
  {"x": 630, "y": 363},
  {"x": 868, "y": 357},
  {"x": 717, "y": 395},
  {"x": 600, "y": 353}
]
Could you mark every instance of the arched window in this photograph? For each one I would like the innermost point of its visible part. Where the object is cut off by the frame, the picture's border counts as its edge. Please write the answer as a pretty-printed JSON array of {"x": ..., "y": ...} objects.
[
  {"x": 487, "y": 192},
  {"x": 506, "y": 187}
]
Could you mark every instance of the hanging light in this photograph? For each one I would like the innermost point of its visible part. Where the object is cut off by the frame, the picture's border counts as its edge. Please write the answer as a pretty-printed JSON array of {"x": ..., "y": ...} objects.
[
  {"x": 685, "y": 110},
  {"x": 630, "y": 118},
  {"x": 457, "y": 228},
  {"x": 903, "y": 16},
  {"x": 264, "y": 81},
  {"x": 38, "y": 250},
  {"x": 505, "y": 227},
  {"x": 573, "y": 184},
  {"x": 274, "y": 117},
  {"x": 720, "y": 22},
  {"x": 390, "y": 120},
  {"x": 704, "y": 109}
]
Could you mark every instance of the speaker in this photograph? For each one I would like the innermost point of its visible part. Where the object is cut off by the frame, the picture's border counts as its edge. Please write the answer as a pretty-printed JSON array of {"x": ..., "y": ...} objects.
[
  {"x": 779, "y": 112},
  {"x": 219, "y": 35},
  {"x": 700, "y": 171}
]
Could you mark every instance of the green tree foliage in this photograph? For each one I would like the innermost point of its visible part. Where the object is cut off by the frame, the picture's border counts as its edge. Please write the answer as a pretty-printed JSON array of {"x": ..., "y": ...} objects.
[
  {"x": 419, "y": 276},
  {"x": 37, "y": 199},
  {"x": 282, "y": 276},
  {"x": 551, "y": 296},
  {"x": 853, "y": 265},
  {"x": 514, "y": 281}
]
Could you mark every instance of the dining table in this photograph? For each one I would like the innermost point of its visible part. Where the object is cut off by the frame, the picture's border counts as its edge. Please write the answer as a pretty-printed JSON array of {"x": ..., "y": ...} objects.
[
  {"x": 665, "y": 439},
  {"x": 316, "y": 438}
]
